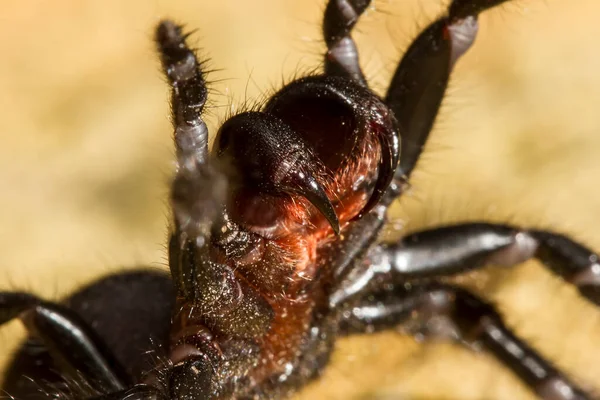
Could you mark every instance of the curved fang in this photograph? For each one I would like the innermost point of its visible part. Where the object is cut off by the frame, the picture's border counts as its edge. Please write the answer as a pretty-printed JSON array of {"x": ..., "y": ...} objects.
[
  {"x": 304, "y": 184},
  {"x": 390, "y": 157}
]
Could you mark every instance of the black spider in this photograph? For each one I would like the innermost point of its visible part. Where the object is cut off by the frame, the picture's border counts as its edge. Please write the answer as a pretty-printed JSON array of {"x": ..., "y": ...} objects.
[{"x": 274, "y": 252}]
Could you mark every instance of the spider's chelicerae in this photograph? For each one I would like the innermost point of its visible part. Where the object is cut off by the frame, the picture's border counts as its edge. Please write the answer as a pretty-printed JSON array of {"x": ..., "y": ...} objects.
[{"x": 274, "y": 252}]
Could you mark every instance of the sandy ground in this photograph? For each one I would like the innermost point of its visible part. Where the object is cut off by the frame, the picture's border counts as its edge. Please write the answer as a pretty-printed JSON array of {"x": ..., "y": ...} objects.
[{"x": 85, "y": 158}]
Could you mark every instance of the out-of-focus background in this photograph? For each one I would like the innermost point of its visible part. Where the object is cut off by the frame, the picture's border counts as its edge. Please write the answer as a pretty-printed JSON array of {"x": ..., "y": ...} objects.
[{"x": 85, "y": 157}]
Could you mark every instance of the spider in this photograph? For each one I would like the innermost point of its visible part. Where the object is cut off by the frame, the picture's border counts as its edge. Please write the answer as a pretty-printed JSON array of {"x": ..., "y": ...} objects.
[{"x": 273, "y": 251}]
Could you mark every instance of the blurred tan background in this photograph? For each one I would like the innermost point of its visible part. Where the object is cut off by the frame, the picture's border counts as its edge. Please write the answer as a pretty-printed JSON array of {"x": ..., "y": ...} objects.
[{"x": 85, "y": 157}]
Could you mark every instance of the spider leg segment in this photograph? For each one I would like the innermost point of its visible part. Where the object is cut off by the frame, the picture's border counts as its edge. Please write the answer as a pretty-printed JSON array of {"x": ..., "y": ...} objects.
[
  {"x": 342, "y": 55},
  {"x": 188, "y": 95},
  {"x": 196, "y": 209},
  {"x": 419, "y": 83},
  {"x": 198, "y": 197},
  {"x": 461, "y": 316},
  {"x": 71, "y": 342},
  {"x": 414, "y": 95},
  {"x": 130, "y": 315},
  {"x": 451, "y": 250}
]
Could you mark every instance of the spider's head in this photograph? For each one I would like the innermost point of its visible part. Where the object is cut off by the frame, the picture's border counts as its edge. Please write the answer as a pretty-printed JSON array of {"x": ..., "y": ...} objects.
[{"x": 323, "y": 149}]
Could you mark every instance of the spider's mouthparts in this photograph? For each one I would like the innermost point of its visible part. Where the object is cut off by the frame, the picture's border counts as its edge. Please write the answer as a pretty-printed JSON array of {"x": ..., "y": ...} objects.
[
  {"x": 389, "y": 141},
  {"x": 269, "y": 155},
  {"x": 183, "y": 352},
  {"x": 307, "y": 186},
  {"x": 193, "y": 376}
]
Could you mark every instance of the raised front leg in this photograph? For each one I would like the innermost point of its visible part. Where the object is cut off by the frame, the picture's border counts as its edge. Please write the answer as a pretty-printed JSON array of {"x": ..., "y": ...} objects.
[
  {"x": 455, "y": 249},
  {"x": 464, "y": 318},
  {"x": 419, "y": 84},
  {"x": 414, "y": 96},
  {"x": 342, "y": 55},
  {"x": 196, "y": 210}
]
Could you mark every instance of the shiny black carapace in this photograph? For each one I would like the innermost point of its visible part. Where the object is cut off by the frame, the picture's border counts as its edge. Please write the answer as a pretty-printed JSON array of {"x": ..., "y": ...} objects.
[{"x": 274, "y": 250}]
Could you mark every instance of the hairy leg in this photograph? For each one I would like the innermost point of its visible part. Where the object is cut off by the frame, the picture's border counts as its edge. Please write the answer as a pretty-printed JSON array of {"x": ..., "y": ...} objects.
[
  {"x": 71, "y": 342},
  {"x": 130, "y": 313},
  {"x": 454, "y": 249},
  {"x": 414, "y": 96},
  {"x": 197, "y": 211},
  {"x": 434, "y": 310},
  {"x": 420, "y": 81},
  {"x": 341, "y": 57}
]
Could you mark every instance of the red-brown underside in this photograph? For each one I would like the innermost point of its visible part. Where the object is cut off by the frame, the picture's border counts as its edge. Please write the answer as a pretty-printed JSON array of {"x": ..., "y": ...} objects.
[{"x": 298, "y": 248}]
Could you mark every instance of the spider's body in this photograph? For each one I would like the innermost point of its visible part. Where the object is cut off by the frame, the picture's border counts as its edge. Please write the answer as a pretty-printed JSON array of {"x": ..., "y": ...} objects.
[{"x": 273, "y": 251}]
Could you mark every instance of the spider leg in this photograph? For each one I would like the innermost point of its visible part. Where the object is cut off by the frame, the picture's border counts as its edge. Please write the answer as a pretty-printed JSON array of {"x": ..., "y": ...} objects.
[
  {"x": 198, "y": 212},
  {"x": 455, "y": 249},
  {"x": 208, "y": 293},
  {"x": 414, "y": 96},
  {"x": 188, "y": 95},
  {"x": 194, "y": 212},
  {"x": 419, "y": 83},
  {"x": 342, "y": 55},
  {"x": 463, "y": 317},
  {"x": 72, "y": 343}
]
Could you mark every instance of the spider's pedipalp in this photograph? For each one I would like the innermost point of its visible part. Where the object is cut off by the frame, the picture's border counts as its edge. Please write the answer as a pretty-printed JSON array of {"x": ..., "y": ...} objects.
[
  {"x": 198, "y": 212},
  {"x": 189, "y": 92}
]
